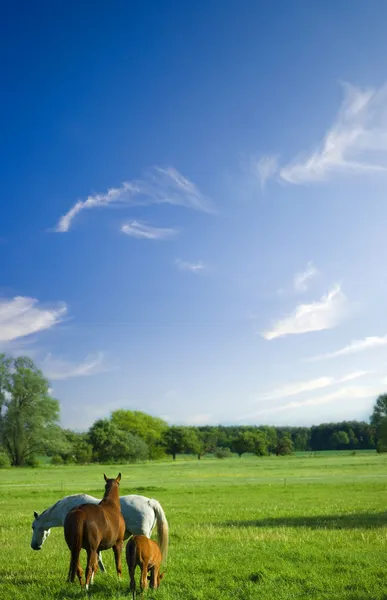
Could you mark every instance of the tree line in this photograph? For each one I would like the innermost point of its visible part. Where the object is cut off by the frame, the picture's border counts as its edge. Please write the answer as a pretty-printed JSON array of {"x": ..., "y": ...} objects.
[{"x": 29, "y": 426}]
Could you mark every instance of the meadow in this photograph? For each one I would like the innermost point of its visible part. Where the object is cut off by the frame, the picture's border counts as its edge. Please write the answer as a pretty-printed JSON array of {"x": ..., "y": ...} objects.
[{"x": 252, "y": 528}]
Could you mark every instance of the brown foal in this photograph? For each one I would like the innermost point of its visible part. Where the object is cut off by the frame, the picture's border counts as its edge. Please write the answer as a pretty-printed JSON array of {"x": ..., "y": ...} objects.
[
  {"x": 145, "y": 553},
  {"x": 95, "y": 527}
]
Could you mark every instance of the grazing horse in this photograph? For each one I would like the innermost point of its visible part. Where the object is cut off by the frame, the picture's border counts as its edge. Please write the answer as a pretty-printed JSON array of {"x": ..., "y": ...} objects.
[
  {"x": 140, "y": 513},
  {"x": 146, "y": 554},
  {"x": 95, "y": 527}
]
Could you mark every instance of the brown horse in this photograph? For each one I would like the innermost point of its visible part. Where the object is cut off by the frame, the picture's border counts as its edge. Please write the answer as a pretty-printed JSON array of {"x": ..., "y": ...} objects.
[
  {"x": 95, "y": 527},
  {"x": 145, "y": 553}
]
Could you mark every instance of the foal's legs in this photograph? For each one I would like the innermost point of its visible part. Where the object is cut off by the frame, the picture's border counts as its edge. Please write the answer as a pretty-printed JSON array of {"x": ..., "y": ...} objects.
[
  {"x": 117, "y": 549},
  {"x": 144, "y": 576},
  {"x": 154, "y": 576}
]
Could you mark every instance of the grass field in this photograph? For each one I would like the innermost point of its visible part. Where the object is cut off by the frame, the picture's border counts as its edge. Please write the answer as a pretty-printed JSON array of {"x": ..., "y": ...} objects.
[{"x": 252, "y": 528}]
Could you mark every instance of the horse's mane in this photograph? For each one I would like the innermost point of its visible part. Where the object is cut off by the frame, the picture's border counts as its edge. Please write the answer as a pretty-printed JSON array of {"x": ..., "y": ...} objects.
[{"x": 46, "y": 512}]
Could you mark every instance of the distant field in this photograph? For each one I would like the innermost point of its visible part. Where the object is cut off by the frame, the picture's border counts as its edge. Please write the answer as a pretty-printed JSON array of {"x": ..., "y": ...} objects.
[{"x": 252, "y": 528}]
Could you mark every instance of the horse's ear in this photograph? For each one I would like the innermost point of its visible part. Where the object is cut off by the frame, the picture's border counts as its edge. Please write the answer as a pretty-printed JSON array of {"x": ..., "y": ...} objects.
[
  {"x": 105, "y": 477},
  {"x": 35, "y": 514},
  {"x": 118, "y": 478}
]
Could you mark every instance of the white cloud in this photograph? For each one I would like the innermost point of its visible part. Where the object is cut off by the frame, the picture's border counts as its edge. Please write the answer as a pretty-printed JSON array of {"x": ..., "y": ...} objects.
[
  {"x": 264, "y": 168},
  {"x": 354, "y": 347},
  {"x": 187, "y": 266},
  {"x": 299, "y": 387},
  {"x": 351, "y": 146},
  {"x": 301, "y": 280},
  {"x": 317, "y": 316},
  {"x": 20, "y": 316},
  {"x": 346, "y": 393},
  {"x": 160, "y": 186},
  {"x": 143, "y": 231},
  {"x": 58, "y": 368}
]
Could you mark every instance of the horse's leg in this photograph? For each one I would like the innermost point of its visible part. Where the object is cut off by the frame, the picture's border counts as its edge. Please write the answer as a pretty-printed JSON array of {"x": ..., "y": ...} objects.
[
  {"x": 117, "y": 549},
  {"x": 91, "y": 560},
  {"x": 153, "y": 576},
  {"x": 80, "y": 574},
  {"x": 144, "y": 576},
  {"x": 100, "y": 563},
  {"x": 95, "y": 569}
]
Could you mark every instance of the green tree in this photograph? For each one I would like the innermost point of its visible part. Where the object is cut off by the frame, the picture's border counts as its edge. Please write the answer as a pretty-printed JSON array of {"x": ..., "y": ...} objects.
[
  {"x": 339, "y": 440},
  {"x": 380, "y": 411},
  {"x": 148, "y": 428},
  {"x": 111, "y": 444},
  {"x": 28, "y": 414},
  {"x": 379, "y": 422},
  {"x": 284, "y": 446},
  {"x": 244, "y": 442},
  {"x": 181, "y": 440}
]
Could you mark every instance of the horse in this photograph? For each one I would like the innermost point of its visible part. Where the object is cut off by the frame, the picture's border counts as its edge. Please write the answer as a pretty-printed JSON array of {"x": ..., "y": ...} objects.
[
  {"x": 146, "y": 554},
  {"x": 95, "y": 527},
  {"x": 140, "y": 513}
]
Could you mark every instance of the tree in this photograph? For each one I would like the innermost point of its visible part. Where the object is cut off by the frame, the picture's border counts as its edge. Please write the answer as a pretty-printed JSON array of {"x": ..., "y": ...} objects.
[
  {"x": 75, "y": 447},
  {"x": 380, "y": 411},
  {"x": 339, "y": 440},
  {"x": 148, "y": 428},
  {"x": 28, "y": 414},
  {"x": 111, "y": 444},
  {"x": 284, "y": 446},
  {"x": 379, "y": 421},
  {"x": 180, "y": 440},
  {"x": 243, "y": 443}
]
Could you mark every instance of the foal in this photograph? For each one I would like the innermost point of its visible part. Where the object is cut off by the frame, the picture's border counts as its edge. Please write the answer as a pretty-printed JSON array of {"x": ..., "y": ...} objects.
[
  {"x": 145, "y": 553},
  {"x": 95, "y": 527}
]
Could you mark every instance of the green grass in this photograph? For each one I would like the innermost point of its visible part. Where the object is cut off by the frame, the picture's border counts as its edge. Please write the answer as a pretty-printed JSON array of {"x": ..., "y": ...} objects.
[{"x": 251, "y": 528}]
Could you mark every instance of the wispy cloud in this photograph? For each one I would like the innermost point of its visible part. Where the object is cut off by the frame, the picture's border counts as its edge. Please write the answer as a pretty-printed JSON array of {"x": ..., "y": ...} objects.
[
  {"x": 346, "y": 393},
  {"x": 264, "y": 168},
  {"x": 21, "y": 316},
  {"x": 317, "y": 316},
  {"x": 355, "y": 346},
  {"x": 349, "y": 146},
  {"x": 301, "y": 280},
  {"x": 143, "y": 231},
  {"x": 299, "y": 387},
  {"x": 159, "y": 186},
  {"x": 188, "y": 266},
  {"x": 58, "y": 368}
]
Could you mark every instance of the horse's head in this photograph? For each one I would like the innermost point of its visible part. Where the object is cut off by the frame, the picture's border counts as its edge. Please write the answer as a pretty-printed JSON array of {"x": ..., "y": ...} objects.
[
  {"x": 112, "y": 483},
  {"x": 159, "y": 578},
  {"x": 39, "y": 533}
]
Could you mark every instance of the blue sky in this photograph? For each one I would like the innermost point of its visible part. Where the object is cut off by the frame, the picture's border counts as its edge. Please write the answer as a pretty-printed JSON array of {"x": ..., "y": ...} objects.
[{"x": 193, "y": 207}]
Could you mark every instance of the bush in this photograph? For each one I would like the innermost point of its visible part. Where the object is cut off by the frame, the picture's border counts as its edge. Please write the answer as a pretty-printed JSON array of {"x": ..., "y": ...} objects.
[
  {"x": 5, "y": 463},
  {"x": 223, "y": 452},
  {"x": 33, "y": 462},
  {"x": 57, "y": 460}
]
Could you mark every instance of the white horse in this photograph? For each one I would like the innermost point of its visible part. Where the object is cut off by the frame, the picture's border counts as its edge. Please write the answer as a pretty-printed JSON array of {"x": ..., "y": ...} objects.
[{"x": 140, "y": 514}]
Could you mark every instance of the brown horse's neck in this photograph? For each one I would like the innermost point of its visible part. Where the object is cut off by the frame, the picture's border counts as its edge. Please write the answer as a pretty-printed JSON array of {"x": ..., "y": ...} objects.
[{"x": 112, "y": 495}]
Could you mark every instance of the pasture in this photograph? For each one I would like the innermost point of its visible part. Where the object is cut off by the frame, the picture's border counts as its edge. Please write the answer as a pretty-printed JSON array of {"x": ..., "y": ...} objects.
[{"x": 270, "y": 528}]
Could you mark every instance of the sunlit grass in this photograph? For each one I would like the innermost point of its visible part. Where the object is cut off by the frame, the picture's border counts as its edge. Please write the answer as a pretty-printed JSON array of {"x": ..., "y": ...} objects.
[{"x": 252, "y": 528}]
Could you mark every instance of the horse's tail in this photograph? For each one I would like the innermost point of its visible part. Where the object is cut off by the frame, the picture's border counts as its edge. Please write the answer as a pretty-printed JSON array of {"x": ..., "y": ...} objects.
[
  {"x": 73, "y": 530},
  {"x": 162, "y": 528},
  {"x": 131, "y": 559}
]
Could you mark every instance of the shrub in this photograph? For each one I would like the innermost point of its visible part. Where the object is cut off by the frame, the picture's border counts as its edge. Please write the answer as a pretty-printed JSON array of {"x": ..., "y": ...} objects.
[
  {"x": 223, "y": 452},
  {"x": 5, "y": 463},
  {"x": 33, "y": 462},
  {"x": 57, "y": 460}
]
